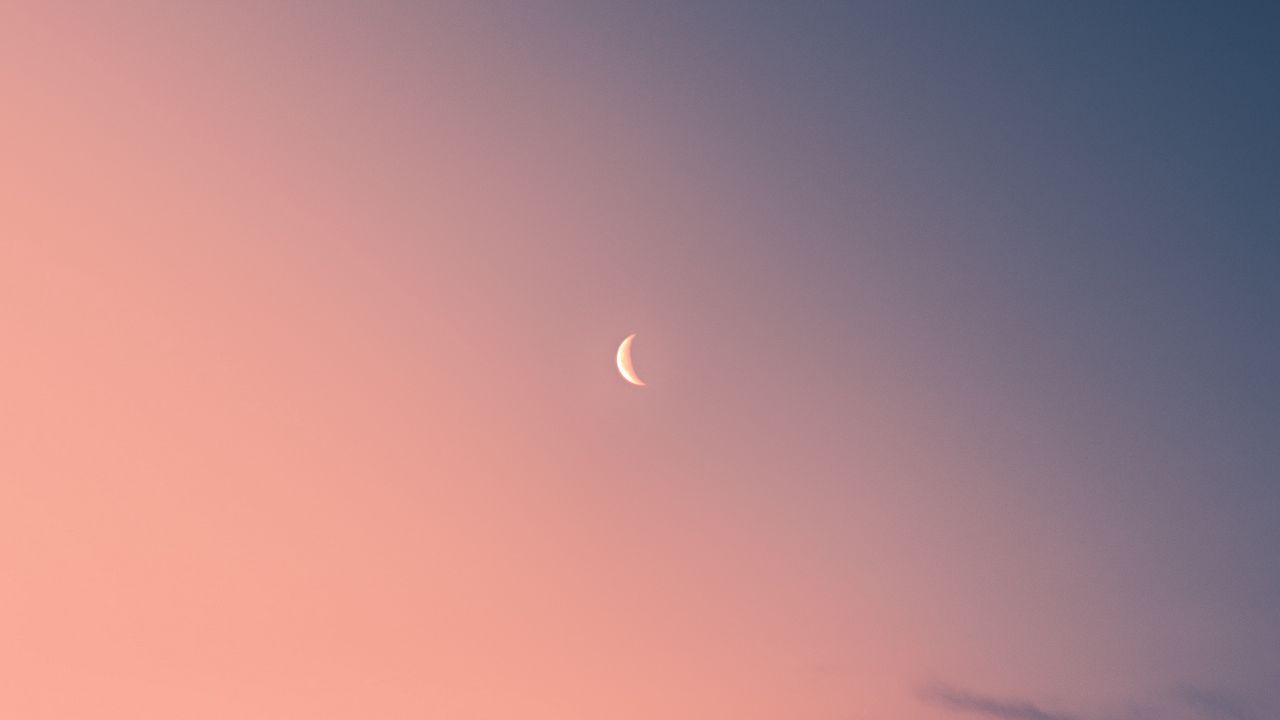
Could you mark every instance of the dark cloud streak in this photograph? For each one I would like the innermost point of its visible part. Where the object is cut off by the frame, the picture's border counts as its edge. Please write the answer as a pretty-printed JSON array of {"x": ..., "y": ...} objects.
[
  {"x": 961, "y": 701},
  {"x": 1203, "y": 703}
]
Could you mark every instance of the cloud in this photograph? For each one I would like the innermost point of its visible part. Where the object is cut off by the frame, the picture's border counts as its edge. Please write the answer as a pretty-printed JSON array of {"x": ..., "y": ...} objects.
[
  {"x": 1200, "y": 702},
  {"x": 1214, "y": 705},
  {"x": 961, "y": 701}
]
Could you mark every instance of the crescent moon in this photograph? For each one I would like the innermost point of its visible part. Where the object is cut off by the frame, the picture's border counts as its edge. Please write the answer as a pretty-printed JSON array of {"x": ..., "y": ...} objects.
[{"x": 624, "y": 362}]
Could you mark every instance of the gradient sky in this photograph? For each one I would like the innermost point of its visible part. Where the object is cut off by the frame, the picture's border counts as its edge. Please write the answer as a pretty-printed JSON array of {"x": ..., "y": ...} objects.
[{"x": 959, "y": 323}]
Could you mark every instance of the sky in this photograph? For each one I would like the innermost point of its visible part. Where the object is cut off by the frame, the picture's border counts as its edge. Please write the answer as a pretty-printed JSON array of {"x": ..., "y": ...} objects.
[{"x": 958, "y": 324}]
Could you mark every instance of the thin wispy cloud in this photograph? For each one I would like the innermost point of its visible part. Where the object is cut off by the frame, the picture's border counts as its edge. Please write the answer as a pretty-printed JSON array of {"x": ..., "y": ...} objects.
[
  {"x": 963, "y": 701},
  {"x": 1202, "y": 703},
  {"x": 1215, "y": 705}
]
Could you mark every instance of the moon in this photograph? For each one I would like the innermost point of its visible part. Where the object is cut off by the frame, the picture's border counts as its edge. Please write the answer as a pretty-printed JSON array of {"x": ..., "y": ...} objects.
[{"x": 624, "y": 362}]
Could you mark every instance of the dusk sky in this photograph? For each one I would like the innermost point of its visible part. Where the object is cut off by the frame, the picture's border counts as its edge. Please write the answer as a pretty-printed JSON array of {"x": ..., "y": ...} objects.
[{"x": 960, "y": 323}]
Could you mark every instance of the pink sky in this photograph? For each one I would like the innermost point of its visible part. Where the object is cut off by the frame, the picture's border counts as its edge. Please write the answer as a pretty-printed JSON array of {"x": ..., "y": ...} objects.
[{"x": 309, "y": 407}]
